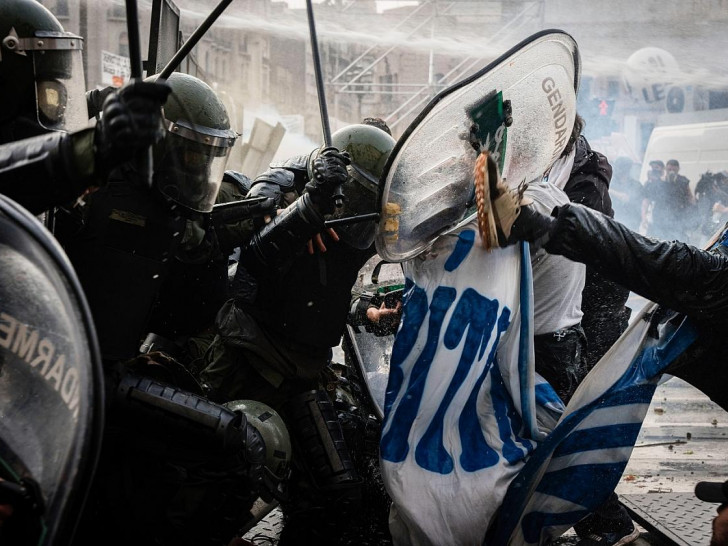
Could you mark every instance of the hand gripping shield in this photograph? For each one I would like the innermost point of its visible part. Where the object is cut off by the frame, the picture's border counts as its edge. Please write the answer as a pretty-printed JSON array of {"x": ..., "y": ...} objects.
[{"x": 520, "y": 108}]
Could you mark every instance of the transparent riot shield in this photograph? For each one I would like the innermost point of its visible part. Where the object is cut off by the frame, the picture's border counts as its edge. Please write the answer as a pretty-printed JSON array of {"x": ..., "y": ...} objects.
[
  {"x": 521, "y": 108},
  {"x": 51, "y": 395}
]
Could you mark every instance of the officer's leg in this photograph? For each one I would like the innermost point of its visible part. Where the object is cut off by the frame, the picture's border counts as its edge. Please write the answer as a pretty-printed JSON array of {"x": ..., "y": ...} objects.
[{"x": 326, "y": 493}]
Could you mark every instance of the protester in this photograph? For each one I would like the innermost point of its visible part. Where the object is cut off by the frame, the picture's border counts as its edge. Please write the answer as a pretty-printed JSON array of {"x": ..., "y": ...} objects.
[
  {"x": 585, "y": 175},
  {"x": 671, "y": 199},
  {"x": 675, "y": 275},
  {"x": 710, "y": 196},
  {"x": 559, "y": 340}
]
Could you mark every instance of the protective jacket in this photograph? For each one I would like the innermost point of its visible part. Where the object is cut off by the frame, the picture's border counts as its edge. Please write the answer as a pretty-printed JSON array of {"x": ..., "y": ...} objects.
[
  {"x": 675, "y": 275},
  {"x": 305, "y": 300}
]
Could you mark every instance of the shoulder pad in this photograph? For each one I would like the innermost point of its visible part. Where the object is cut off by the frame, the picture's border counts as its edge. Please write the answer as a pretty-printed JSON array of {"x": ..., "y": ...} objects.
[
  {"x": 239, "y": 179},
  {"x": 280, "y": 177},
  {"x": 297, "y": 163}
]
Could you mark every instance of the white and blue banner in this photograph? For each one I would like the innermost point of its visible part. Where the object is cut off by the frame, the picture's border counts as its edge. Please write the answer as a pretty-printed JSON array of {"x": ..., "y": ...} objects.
[
  {"x": 461, "y": 413},
  {"x": 579, "y": 464},
  {"x": 474, "y": 443}
]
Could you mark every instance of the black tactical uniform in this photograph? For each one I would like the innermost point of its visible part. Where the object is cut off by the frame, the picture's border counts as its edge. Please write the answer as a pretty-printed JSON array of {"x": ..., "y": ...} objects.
[
  {"x": 51, "y": 382},
  {"x": 273, "y": 342},
  {"x": 175, "y": 467}
]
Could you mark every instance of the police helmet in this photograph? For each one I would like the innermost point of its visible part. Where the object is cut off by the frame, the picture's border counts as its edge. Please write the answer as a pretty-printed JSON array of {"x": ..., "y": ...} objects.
[
  {"x": 369, "y": 148},
  {"x": 41, "y": 69},
  {"x": 274, "y": 433},
  {"x": 190, "y": 160}
]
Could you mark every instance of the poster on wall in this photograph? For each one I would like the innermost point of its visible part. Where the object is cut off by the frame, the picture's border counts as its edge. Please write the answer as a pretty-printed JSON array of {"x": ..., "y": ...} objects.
[{"x": 115, "y": 69}]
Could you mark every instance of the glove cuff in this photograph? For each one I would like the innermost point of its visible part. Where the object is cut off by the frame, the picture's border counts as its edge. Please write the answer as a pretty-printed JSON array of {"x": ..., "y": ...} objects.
[{"x": 83, "y": 153}]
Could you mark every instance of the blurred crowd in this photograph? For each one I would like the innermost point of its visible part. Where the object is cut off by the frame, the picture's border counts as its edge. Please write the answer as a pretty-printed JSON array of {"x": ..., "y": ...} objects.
[{"x": 667, "y": 205}]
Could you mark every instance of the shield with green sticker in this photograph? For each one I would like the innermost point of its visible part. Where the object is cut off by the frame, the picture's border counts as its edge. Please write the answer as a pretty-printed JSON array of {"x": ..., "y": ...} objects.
[{"x": 521, "y": 108}]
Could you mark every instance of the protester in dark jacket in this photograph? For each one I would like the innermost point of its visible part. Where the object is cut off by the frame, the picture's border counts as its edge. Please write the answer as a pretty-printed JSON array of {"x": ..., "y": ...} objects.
[{"x": 676, "y": 275}]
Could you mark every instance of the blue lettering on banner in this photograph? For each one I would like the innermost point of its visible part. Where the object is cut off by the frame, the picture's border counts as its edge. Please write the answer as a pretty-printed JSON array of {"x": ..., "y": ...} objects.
[
  {"x": 394, "y": 445},
  {"x": 466, "y": 239},
  {"x": 475, "y": 324},
  {"x": 508, "y": 419},
  {"x": 477, "y": 454},
  {"x": 476, "y": 315},
  {"x": 414, "y": 306}
]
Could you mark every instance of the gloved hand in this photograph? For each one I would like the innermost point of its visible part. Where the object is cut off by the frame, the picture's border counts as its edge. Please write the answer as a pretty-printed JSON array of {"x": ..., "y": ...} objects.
[
  {"x": 95, "y": 100},
  {"x": 530, "y": 225},
  {"x": 328, "y": 172},
  {"x": 131, "y": 121}
]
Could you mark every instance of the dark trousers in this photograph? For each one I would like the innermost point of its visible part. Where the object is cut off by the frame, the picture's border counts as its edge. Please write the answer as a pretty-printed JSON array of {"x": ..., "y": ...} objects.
[{"x": 561, "y": 359}]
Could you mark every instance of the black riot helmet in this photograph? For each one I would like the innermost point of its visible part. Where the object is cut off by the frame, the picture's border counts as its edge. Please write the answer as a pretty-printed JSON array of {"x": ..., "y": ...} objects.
[
  {"x": 41, "y": 72},
  {"x": 369, "y": 148},
  {"x": 189, "y": 162}
]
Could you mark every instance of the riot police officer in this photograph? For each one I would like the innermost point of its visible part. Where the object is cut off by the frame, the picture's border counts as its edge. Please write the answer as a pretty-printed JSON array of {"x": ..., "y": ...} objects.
[
  {"x": 157, "y": 244},
  {"x": 52, "y": 391},
  {"x": 176, "y": 468},
  {"x": 274, "y": 345},
  {"x": 44, "y": 120}
]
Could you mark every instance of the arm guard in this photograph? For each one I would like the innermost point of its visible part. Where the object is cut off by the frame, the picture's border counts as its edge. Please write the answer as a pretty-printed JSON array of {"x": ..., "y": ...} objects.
[
  {"x": 673, "y": 274},
  {"x": 277, "y": 184},
  {"x": 283, "y": 236},
  {"x": 299, "y": 166},
  {"x": 47, "y": 170},
  {"x": 183, "y": 420}
]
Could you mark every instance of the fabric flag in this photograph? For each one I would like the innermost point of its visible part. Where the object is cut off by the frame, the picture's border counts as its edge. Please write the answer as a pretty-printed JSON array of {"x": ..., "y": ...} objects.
[
  {"x": 575, "y": 469},
  {"x": 461, "y": 409}
]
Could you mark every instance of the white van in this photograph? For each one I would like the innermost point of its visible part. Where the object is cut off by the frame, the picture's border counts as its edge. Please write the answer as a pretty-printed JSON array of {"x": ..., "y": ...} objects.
[{"x": 699, "y": 147}]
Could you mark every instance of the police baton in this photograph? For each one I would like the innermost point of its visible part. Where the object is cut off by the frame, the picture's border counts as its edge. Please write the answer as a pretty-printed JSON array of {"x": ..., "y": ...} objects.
[
  {"x": 348, "y": 220},
  {"x": 144, "y": 161},
  {"x": 338, "y": 195}
]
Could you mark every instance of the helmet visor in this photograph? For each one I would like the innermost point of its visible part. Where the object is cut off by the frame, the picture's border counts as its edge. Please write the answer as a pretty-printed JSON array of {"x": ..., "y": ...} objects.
[
  {"x": 190, "y": 172},
  {"x": 59, "y": 90}
]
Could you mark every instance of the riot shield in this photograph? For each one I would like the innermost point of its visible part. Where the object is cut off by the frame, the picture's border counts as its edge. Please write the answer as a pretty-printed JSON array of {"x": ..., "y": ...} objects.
[
  {"x": 521, "y": 108},
  {"x": 51, "y": 395}
]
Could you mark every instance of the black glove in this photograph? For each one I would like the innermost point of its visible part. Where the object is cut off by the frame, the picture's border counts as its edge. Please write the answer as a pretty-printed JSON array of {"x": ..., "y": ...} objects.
[
  {"x": 328, "y": 173},
  {"x": 531, "y": 226},
  {"x": 131, "y": 121},
  {"x": 95, "y": 100}
]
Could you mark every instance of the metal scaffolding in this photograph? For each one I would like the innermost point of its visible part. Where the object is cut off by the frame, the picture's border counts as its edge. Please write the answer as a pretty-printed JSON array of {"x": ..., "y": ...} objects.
[{"x": 410, "y": 98}]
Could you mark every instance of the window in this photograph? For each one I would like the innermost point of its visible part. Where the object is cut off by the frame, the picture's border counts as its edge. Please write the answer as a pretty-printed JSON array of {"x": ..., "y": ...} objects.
[{"x": 124, "y": 44}]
